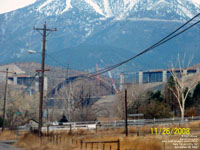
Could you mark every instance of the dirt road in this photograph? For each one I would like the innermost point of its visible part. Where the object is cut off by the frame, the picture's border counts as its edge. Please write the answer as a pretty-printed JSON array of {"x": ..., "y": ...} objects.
[{"x": 5, "y": 146}]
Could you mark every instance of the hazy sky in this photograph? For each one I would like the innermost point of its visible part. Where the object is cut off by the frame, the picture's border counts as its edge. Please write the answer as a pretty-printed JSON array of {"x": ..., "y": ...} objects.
[{"x": 8, "y": 5}]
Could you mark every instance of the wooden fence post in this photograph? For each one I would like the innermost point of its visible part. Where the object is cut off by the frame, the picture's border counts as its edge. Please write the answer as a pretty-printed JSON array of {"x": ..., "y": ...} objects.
[
  {"x": 70, "y": 129},
  {"x": 81, "y": 144},
  {"x": 60, "y": 138},
  {"x": 118, "y": 145},
  {"x": 56, "y": 139}
]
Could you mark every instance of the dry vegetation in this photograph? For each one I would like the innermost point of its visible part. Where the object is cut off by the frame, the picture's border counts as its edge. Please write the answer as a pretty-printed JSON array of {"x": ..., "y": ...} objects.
[{"x": 65, "y": 140}]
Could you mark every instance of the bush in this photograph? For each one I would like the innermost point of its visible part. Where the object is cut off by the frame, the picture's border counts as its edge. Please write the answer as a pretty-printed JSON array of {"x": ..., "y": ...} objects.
[{"x": 155, "y": 110}]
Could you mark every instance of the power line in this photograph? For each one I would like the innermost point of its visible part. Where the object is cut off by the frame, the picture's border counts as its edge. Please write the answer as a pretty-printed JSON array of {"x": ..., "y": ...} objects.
[{"x": 160, "y": 42}]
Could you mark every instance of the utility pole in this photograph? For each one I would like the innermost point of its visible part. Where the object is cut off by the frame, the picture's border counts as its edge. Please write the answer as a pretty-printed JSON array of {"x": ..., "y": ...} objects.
[
  {"x": 126, "y": 113},
  {"x": 44, "y": 35},
  {"x": 4, "y": 105}
]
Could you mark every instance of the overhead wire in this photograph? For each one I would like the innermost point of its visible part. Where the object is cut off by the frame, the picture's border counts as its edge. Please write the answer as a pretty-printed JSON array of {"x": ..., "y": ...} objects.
[{"x": 160, "y": 42}]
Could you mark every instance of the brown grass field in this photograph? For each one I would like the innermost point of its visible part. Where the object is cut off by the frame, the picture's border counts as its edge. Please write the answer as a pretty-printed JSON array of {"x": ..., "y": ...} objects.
[{"x": 63, "y": 140}]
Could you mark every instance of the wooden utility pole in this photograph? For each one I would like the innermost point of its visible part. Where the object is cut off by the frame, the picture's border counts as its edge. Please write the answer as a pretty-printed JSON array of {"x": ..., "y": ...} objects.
[
  {"x": 46, "y": 97},
  {"x": 4, "y": 104},
  {"x": 126, "y": 113},
  {"x": 5, "y": 95},
  {"x": 44, "y": 35}
]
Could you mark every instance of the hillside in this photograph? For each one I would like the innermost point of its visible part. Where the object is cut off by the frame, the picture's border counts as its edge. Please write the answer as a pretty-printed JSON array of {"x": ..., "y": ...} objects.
[
  {"x": 90, "y": 31},
  {"x": 57, "y": 75}
]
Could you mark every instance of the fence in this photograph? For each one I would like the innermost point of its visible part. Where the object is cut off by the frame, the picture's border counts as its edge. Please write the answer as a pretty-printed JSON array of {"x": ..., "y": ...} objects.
[
  {"x": 92, "y": 143},
  {"x": 93, "y": 125},
  {"x": 54, "y": 138}
]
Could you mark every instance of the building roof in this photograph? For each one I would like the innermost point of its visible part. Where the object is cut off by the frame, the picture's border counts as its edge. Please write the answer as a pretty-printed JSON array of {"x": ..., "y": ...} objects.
[{"x": 12, "y": 68}]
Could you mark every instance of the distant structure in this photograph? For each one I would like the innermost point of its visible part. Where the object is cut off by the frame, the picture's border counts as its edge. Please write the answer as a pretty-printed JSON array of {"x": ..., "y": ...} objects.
[
  {"x": 121, "y": 86},
  {"x": 161, "y": 75},
  {"x": 19, "y": 77}
]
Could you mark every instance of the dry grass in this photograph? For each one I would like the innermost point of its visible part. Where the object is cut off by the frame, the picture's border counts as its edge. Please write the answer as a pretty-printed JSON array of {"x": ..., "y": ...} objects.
[
  {"x": 32, "y": 142},
  {"x": 7, "y": 135},
  {"x": 146, "y": 141}
]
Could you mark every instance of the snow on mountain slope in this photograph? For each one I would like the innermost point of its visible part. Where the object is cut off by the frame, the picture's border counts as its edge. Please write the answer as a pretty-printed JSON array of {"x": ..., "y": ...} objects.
[
  {"x": 11, "y": 5},
  {"x": 68, "y": 6},
  {"x": 196, "y": 2},
  {"x": 95, "y": 27},
  {"x": 119, "y": 9},
  {"x": 94, "y": 6}
]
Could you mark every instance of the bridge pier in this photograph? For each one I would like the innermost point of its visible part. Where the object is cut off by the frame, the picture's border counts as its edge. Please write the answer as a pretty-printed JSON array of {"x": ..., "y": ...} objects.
[
  {"x": 121, "y": 87},
  {"x": 15, "y": 79},
  {"x": 140, "y": 77},
  {"x": 164, "y": 76},
  {"x": 185, "y": 72},
  {"x": 36, "y": 83}
]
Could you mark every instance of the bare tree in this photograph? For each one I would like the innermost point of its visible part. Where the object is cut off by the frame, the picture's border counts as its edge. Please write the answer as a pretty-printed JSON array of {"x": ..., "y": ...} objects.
[
  {"x": 21, "y": 107},
  {"x": 137, "y": 94},
  {"x": 180, "y": 89},
  {"x": 76, "y": 99}
]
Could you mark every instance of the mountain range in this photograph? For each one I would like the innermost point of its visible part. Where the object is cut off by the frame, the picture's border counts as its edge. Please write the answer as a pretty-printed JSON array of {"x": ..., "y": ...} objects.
[{"x": 103, "y": 32}]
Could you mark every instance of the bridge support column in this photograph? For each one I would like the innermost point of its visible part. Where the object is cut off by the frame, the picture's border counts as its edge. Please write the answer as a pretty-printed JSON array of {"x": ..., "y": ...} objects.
[
  {"x": 198, "y": 70},
  {"x": 164, "y": 76},
  {"x": 37, "y": 83},
  {"x": 184, "y": 72},
  {"x": 121, "y": 87},
  {"x": 140, "y": 77},
  {"x": 45, "y": 85},
  {"x": 15, "y": 79}
]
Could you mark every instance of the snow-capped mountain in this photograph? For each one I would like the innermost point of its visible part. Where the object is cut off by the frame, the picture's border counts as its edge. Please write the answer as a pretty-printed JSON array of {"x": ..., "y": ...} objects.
[
  {"x": 90, "y": 30},
  {"x": 106, "y": 8}
]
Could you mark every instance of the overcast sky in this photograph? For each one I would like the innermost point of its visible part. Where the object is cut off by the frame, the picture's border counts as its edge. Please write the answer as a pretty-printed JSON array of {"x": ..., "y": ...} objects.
[{"x": 9, "y": 5}]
